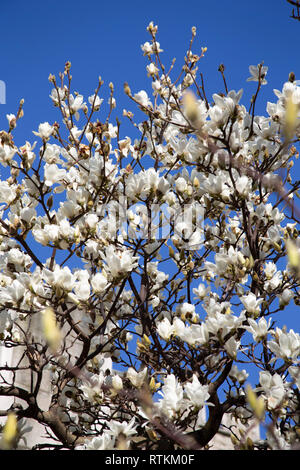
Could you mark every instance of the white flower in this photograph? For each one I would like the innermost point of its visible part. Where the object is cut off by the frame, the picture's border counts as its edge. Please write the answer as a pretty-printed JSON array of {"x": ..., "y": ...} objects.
[
  {"x": 45, "y": 131},
  {"x": 201, "y": 291},
  {"x": 172, "y": 393},
  {"x": 196, "y": 393},
  {"x": 117, "y": 383},
  {"x": 258, "y": 330},
  {"x": 243, "y": 185},
  {"x": 104, "y": 442},
  {"x": 195, "y": 334},
  {"x": 273, "y": 387},
  {"x": 147, "y": 48},
  {"x": 53, "y": 174},
  {"x": 137, "y": 378},
  {"x": 285, "y": 297},
  {"x": 11, "y": 120},
  {"x": 181, "y": 185},
  {"x": 286, "y": 345},
  {"x": 126, "y": 429},
  {"x": 6, "y": 154},
  {"x": 91, "y": 220},
  {"x": 76, "y": 104},
  {"x": 93, "y": 388},
  {"x": 99, "y": 283},
  {"x": 270, "y": 270},
  {"x": 60, "y": 277},
  {"x": 142, "y": 98},
  {"x": 165, "y": 329},
  {"x": 82, "y": 286},
  {"x": 119, "y": 262},
  {"x": 96, "y": 101},
  {"x": 255, "y": 70},
  {"x": 60, "y": 96},
  {"x": 152, "y": 69},
  {"x": 231, "y": 347},
  {"x": 186, "y": 310},
  {"x": 251, "y": 303}
]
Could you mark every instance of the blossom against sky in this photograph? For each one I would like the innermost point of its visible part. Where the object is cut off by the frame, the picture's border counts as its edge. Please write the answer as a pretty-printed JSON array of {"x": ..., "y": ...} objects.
[{"x": 101, "y": 39}]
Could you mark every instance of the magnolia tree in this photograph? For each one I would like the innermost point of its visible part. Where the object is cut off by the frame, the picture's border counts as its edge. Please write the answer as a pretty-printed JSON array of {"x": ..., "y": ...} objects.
[{"x": 144, "y": 278}]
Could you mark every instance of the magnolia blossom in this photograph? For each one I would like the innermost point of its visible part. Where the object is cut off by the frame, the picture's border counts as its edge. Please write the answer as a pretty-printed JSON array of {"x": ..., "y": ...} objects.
[
  {"x": 104, "y": 442},
  {"x": 95, "y": 101},
  {"x": 137, "y": 378},
  {"x": 198, "y": 394},
  {"x": 125, "y": 428},
  {"x": 285, "y": 345},
  {"x": 251, "y": 303},
  {"x": 45, "y": 131},
  {"x": 142, "y": 98},
  {"x": 258, "y": 72},
  {"x": 172, "y": 393},
  {"x": 165, "y": 329},
  {"x": 99, "y": 283},
  {"x": 260, "y": 329},
  {"x": 118, "y": 262},
  {"x": 53, "y": 174},
  {"x": 231, "y": 347},
  {"x": 76, "y": 104},
  {"x": 273, "y": 387}
]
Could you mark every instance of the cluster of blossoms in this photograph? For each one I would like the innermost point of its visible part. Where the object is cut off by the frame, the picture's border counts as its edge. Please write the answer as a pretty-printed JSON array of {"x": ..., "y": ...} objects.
[{"x": 167, "y": 272}]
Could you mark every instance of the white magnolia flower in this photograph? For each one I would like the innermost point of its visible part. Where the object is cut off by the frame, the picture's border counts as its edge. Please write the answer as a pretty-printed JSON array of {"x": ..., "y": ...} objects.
[
  {"x": 137, "y": 378},
  {"x": 45, "y": 131},
  {"x": 142, "y": 98},
  {"x": 196, "y": 393},
  {"x": 53, "y": 174},
  {"x": 93, "y": 388},
  {"x": 260, "y": 329},
  {"x": 6, "y": 154},
  {"x": 201, "y": 291},
  {"x": 195, "y": 334},
  {"x": 251, "y": 303},
  {"x": 273, "y": 388},
  {"x": 82, "y": 287},
  {"x": 152, "y": 69},
  {"x": 231, "y": 347},
  {"x": 165, "y": 329},
  {"x": 76, "y": 104},
  {"x": 119, "y": 262},
  {"x": 286, "y": 345},
  {"x": 96, "y": 101},
  {"x": 117, "y": 383},
  {"x": 126, "y": 429},
  {"x": 104, "y": 442},
  {"x": 257, "y": 71},
  {"x": 58, "y": 96},
  {"x": 99, "y": 283},
  {"x": 285, "y": 297},
  {"x": 172, "y": 393},
  {"x": 243, "y": 185}
]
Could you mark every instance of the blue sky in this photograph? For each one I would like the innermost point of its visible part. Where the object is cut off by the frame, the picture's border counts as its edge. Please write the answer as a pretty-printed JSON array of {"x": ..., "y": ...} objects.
[{"x": 104, "y": 38}]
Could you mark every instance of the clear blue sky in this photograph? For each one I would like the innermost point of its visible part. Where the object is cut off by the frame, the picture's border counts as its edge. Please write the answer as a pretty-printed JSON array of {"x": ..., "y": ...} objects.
[{"x": 104, "y": 38}]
